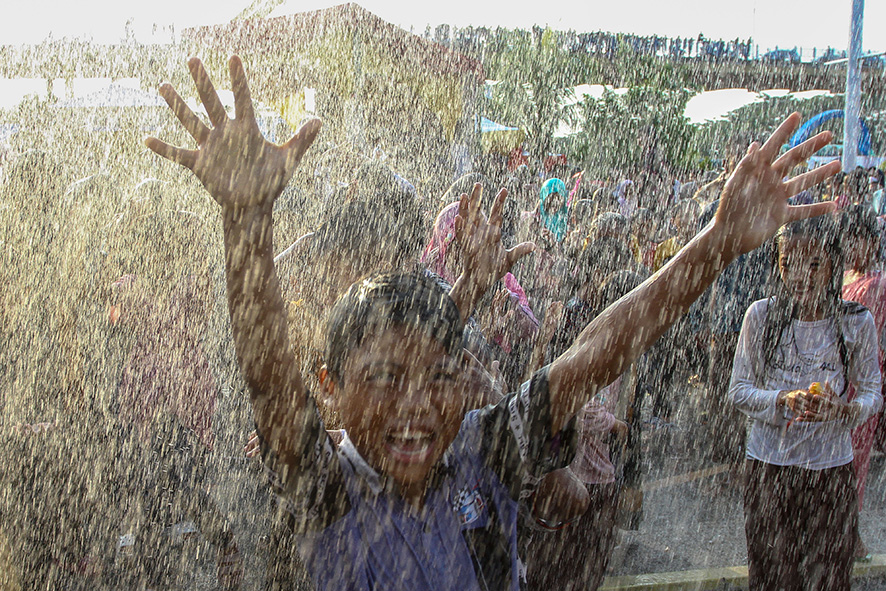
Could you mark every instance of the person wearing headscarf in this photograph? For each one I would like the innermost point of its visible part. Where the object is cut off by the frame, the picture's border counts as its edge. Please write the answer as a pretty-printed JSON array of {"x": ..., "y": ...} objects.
[
  {"x": 542, "y": 273},
  {"x": 626, "y": 196},
  {"x": 553, "y": 209}
]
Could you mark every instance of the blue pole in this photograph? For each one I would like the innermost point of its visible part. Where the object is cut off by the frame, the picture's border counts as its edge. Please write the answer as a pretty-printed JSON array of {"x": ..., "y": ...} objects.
[{"x": 852, "y": 110}]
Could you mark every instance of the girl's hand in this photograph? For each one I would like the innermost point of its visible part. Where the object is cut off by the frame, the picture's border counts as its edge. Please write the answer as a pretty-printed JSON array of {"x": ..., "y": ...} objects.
[
  {"x": 818, "y": 404},
  {"x": 824, "y": 405},
  {"x": 793, "y": 400},
  {"x": 485, "y": 260},
  {"x": 235, "y": 163}
]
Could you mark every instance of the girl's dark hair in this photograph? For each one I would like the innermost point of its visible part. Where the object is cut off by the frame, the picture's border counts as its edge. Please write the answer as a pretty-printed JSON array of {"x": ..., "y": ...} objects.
[
  {"x": 782, "y": 307},
  {"x": 411, "y": 300}
]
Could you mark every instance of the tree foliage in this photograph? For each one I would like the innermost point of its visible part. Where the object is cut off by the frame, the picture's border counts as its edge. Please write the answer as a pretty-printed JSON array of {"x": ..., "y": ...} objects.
[{"x": 642, "y": 129}]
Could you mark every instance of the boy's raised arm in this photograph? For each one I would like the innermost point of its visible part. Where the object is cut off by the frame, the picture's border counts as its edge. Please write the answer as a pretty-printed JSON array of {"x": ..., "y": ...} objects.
[
  {"x": 753, "y": 206},
  {"x": 245, "y": 173}
]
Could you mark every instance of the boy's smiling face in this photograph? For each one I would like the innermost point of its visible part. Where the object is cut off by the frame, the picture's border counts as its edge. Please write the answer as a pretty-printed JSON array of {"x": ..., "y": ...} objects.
[{"x": 402, "y": 399}]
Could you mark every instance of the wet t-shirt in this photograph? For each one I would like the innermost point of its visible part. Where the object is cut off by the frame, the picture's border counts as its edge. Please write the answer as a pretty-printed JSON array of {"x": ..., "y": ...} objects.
[
  {"x": 808, "y": 352},
  {"x": 355, "y": 534}
]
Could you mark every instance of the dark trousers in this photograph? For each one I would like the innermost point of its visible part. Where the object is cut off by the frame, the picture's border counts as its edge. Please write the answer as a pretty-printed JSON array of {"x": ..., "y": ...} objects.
[
  {"x": 800, "y": 526},
  {"x": 725, "y": 429}
]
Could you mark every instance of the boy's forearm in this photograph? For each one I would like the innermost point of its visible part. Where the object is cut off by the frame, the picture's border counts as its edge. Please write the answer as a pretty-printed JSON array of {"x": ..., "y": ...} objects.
[
  {"x": 258, "y": 319},
  {"x": 616, "y": 338}
]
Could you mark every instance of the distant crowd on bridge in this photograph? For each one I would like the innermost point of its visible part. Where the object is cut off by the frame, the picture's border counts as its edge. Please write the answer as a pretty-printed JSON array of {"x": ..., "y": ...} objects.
[{"x": 606, "y": 44}]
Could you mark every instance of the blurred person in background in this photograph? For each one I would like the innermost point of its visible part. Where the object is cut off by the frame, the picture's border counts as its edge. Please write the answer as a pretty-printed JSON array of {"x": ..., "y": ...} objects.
[{"x": 864, "y": 283}]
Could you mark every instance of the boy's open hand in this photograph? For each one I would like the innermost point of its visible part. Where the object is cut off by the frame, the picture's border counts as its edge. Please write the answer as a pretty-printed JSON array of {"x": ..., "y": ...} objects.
[
  {"x": 235, "y": 163},
  {"x": 754, "y": 203},
  {"x": 485, "y": 259}
]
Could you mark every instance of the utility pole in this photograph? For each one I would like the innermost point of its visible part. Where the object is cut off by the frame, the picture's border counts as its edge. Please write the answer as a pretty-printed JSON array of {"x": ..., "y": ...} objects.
[{"x": 852, "y": 108}]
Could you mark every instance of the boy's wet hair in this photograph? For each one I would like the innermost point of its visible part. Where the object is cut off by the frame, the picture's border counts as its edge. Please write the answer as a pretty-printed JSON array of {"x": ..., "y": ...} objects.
[{"x": 411, "y": 300}]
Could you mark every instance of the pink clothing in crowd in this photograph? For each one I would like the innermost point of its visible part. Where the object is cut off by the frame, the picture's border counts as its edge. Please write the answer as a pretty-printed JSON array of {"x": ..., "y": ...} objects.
[
  {"x": 442, "y": 235},
  {"x": 592, "y": 464},
  {"x": 868, "y": 290},
  {"x": 434, "y": 257}
]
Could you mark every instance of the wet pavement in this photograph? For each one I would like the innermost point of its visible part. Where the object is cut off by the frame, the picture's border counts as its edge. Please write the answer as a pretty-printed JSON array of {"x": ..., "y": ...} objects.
[{"x": 693, "y": 516}]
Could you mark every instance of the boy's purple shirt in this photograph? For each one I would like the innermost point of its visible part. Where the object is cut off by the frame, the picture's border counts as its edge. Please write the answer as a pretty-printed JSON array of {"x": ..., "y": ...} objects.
[{"x": 356, "y": 534}]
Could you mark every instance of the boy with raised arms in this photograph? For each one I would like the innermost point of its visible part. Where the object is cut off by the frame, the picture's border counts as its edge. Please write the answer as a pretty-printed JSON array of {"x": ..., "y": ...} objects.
[{"x": 422, "y": 493}]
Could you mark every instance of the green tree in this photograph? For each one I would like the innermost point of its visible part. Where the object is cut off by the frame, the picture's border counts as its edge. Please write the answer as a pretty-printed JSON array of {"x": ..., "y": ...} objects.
[
  {"x": 536, "y": 74},
  {"x": 643, "y": 129}
]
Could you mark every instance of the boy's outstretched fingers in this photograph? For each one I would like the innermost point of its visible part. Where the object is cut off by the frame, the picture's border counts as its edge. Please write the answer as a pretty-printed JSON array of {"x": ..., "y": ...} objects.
[
  {"x": 495, "y": 212},
  {"x": 518, "y": 252},
  {"x": 787, "y": 161},
  {"x": 186, "y": 158},
  {"x": 192, "y": 124},
  {"x": 779, "y": 137},
  {"x": 243, "y": 108},
  {"x": 469, "y": 205},
  {"x": 234, "y": 161},
  {"x": 296, "y": 147},
  {"x": 469, "y": 211},
  {"x": 813, "y": 177},
  {"x": 206, "y": 90},
  {"x": 801, "y": 212}
]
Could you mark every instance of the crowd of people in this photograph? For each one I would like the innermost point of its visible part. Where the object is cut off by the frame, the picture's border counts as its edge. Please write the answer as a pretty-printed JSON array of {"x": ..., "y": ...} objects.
[
  {"x": 604, "y": 44},
  {"x": 446, "y": 393}
]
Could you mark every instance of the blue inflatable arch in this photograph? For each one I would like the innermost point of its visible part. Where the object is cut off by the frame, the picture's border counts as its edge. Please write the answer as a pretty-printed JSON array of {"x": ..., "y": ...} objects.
[{"x": 806, "y": 130}]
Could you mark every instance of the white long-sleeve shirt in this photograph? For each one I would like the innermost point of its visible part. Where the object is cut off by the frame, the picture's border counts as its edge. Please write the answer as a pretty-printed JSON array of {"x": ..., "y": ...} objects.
[{"x": 808, "y": 352}]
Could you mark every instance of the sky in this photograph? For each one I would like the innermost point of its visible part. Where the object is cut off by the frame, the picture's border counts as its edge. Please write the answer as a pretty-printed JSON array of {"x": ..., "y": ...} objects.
[{"x": 782, "y": 23}]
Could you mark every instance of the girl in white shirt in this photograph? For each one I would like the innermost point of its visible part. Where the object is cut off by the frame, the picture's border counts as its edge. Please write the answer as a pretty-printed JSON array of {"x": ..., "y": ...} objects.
[{"x": 801, "y": 512}]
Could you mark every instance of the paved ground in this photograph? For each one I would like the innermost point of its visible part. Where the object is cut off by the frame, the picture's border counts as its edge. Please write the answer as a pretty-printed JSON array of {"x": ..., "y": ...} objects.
[{"x": 699, "y": 524}]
